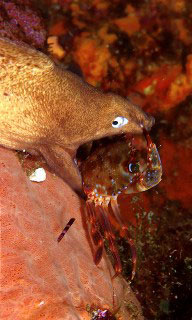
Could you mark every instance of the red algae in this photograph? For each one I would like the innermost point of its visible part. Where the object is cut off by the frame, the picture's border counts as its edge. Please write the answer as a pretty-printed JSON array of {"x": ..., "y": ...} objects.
[{"x": 177, "y": 173}]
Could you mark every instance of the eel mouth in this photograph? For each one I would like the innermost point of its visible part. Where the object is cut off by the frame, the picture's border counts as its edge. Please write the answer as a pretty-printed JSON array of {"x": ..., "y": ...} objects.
[
  {"x": 139, "y": 143},
  {"x": 87, "y": 148}
]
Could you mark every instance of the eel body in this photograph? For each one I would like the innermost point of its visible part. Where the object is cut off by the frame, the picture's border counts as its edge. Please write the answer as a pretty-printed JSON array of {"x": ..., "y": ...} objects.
[{"x": 47, "y": 110}]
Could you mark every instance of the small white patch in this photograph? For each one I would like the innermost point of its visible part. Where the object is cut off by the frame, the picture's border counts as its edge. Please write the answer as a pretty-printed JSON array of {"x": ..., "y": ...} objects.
[
  {"x": 41, "y": 303},
  {"x": 38, "y": 175},
  {"x": 119, "y": 122}
]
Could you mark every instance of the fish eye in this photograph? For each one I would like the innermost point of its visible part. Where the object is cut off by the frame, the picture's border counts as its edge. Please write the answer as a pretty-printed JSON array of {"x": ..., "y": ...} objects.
[
  {"x": 133, "y": 167},
  {"x": 119, "y": 122}
]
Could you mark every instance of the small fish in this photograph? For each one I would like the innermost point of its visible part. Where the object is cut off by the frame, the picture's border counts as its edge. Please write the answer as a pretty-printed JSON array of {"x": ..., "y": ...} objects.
[{"x": 127, "y": 165}]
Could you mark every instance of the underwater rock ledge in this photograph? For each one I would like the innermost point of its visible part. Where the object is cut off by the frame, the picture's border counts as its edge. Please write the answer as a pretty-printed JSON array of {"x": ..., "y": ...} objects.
[{"x": 41, "y": 278}]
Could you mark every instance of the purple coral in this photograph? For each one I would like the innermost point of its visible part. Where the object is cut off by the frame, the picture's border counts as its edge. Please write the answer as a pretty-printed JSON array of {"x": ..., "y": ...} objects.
[
  {"x": 102, "y": 315},
  {"x": 20, "y": 21}
]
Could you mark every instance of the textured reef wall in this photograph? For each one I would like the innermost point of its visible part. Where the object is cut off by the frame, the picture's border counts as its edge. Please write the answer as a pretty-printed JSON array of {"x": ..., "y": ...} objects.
[
  {"x": 143, "y": 50},
  {"x": 140, "y": 49},
  {"x": 41, "y": 278}
]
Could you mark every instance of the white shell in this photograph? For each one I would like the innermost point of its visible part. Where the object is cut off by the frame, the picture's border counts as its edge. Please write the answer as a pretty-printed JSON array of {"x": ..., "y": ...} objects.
[
  {"x": 41, "y": 303},
  {"x": 38, "y": 175},
  {"x": 121, "y": 121}
]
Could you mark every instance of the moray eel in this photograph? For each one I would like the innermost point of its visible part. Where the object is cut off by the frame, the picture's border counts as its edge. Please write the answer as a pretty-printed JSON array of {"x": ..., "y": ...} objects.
[{"x": 47, "y": 110}]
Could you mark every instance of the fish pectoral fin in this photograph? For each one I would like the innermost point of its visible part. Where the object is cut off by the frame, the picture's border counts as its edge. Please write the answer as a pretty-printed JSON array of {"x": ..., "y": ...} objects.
[{"x": 62, "y": 162}]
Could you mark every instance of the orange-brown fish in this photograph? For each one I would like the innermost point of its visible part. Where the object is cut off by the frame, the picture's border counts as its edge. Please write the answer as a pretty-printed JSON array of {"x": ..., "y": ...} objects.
[{"x": 120, "y": 167}]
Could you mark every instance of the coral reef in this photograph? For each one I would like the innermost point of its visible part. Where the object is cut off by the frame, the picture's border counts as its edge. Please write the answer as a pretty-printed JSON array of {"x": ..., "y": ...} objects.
[
  {"x": 20, "y": 21},
  {"x": 142, "y": 49}
]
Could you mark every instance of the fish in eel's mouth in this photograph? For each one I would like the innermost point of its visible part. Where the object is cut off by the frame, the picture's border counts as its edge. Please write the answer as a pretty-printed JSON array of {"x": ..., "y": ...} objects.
[{"x": 87, "y": 148}]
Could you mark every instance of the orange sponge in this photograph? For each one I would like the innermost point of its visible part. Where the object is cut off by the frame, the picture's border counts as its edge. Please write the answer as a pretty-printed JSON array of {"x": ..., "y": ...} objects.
[{"x": 41, "y": 278}]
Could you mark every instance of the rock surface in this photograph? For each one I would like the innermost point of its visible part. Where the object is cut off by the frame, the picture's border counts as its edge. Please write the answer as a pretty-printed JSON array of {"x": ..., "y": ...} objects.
[{"x": 41, "y": 278}]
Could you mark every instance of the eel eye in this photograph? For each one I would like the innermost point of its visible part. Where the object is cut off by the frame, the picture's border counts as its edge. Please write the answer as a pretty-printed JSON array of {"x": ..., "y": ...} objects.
[
  {"x": 119, "y": 122},
  {"x": 133, "y": 167}
]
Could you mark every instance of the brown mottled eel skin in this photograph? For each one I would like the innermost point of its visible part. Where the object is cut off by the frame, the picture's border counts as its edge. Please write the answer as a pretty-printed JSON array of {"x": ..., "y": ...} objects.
[{"x": 47, "y": 110}]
